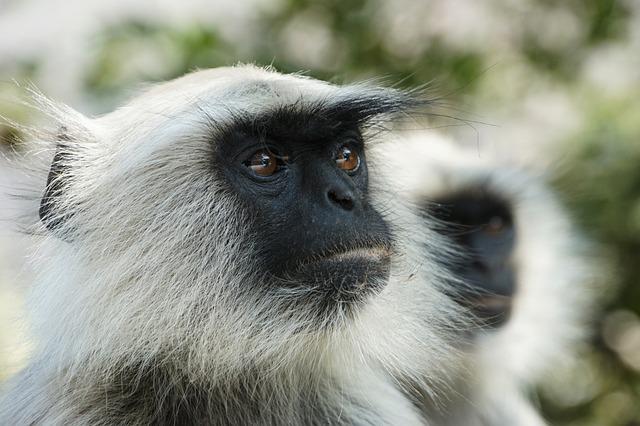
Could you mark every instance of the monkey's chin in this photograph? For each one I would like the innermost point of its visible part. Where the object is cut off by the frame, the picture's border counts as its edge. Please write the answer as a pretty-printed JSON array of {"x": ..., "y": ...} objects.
[
  {"x": 348, "y": 277},
  {"x": 494, "y": 310},
  {"x": 490, "y": 310}
]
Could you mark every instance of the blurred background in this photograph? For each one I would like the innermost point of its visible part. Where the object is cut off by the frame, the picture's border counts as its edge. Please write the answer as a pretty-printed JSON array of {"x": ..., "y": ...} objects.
[{"x": 553, "y": 86}]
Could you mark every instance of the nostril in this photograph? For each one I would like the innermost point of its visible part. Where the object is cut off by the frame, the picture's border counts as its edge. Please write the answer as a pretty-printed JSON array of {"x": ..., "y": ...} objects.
[{"x": 344, "y": 200}]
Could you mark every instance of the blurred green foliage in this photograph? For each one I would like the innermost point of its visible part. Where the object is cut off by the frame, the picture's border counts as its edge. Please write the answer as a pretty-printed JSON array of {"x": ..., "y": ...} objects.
[
  {"x": 160, "y": 54},
  {"x": 360, "y": 52},
  {"x": 601, "y": 185},
  {"x": 13, "y": 108}
]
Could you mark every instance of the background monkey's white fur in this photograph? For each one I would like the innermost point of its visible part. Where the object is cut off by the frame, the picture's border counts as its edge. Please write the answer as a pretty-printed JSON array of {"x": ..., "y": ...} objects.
[
  {"x": 144, "y": 305},
  {"x": 554, "y": 281}
]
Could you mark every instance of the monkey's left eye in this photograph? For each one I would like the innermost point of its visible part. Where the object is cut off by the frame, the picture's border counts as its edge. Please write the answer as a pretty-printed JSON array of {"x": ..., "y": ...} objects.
[
  {"x": 496, "y": 226},
  {"x": 264, "y": 162},
  {"x": 347, "y": 159}
]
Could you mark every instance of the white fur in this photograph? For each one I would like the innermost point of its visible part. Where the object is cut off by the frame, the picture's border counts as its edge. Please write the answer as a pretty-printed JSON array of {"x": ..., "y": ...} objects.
[
  {"x": 555, "y": 283},
  {"x": 154, "y": 267}
]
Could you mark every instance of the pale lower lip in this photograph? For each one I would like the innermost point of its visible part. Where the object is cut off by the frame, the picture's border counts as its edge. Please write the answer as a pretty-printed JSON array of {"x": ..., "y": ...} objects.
[
  {"x": 369, "y": 254},
  {"x": 493, "y": 302}
]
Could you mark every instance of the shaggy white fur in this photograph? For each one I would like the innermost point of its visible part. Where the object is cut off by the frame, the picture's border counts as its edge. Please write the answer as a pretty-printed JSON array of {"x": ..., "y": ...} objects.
[
  {"x": 147, "y": 306},
  {"x": 555, "y": 282}
]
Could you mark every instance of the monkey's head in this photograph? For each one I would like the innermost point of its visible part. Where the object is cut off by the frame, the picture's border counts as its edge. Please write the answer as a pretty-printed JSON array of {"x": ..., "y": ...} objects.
[
  {"x": 228, "y": 211},
  {"x": 519, "y": 264}
]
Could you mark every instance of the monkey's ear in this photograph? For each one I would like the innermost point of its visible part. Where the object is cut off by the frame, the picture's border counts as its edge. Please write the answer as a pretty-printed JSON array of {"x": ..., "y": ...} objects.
[{"x": 52, "y": 213}]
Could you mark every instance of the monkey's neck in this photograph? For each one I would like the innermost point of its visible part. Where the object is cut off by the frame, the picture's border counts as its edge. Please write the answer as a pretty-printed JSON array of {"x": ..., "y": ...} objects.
[{"x": 159, "y": 396}]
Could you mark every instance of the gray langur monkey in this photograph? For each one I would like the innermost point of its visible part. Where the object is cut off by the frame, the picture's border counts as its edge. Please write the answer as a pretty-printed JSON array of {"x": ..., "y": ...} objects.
[
  {"x": 216, "y": 252},
  {"x": 524, "y": 275}
]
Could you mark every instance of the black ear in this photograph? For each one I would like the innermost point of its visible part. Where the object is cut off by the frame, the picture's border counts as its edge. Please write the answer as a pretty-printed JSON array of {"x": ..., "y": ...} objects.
[{"x": 51, "y": 213}]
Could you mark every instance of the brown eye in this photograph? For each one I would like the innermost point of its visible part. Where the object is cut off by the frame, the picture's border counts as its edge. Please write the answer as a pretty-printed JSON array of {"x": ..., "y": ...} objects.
[
  {"x": 262, "y": 163},
  {"x": 347, "y": 159},
  {"x": 495, "y": 226}
]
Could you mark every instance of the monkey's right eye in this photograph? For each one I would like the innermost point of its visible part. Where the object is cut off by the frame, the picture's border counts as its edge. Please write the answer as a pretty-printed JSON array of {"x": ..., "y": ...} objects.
[
  {"x": 263, "y": 162},
  {"x": 495, "y": 225}
]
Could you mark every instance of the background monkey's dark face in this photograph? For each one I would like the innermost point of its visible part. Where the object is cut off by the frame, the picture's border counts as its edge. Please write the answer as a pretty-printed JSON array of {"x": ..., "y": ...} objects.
[
  {"x": 301, "y": 175},
  {"x": 481, "y": 225}
]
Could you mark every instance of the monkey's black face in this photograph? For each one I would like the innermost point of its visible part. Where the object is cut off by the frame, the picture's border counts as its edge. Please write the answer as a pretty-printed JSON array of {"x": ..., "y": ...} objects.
[
  {"x": 481, "y": 225},
  {"x": 304, "y": 182}
]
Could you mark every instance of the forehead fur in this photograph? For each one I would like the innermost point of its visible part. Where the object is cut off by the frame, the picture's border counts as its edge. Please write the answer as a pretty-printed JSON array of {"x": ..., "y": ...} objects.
[
  {"x": 195, "y": 104},
  {"x": 254, "y": 89}
]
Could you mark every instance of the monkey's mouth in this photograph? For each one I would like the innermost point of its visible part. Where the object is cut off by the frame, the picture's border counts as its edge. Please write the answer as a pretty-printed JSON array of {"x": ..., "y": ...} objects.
[
  {"x": 347, "y": 275},
  {"x": 372, "y": 254},
  {"x": 350, "y": 261},
  {"x": 494, "y": 302},
  {"x": 491, "y": 310}
]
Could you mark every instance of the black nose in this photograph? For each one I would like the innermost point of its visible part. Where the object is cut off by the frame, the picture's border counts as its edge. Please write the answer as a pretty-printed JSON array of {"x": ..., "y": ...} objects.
[{"x": 341, "y": 198}]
